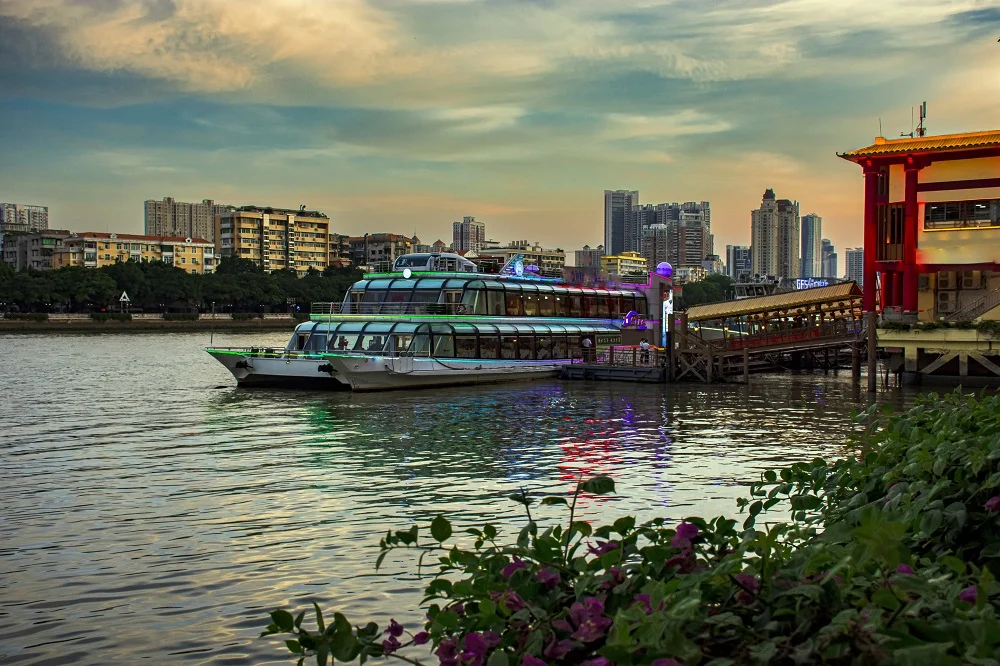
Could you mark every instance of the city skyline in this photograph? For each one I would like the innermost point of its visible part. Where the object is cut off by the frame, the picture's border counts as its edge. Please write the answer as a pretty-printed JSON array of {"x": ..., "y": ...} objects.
[{"x": 520, "y": 113}]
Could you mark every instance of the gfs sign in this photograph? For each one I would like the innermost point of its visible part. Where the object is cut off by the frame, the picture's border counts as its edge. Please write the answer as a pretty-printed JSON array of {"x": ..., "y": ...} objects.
[{"x": 634, "y": 320}]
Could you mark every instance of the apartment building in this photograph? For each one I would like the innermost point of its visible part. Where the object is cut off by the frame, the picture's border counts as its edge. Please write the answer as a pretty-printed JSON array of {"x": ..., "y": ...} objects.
[
  {"x": 31, "y": 250},
  {"x": 624, "y": 263},
  {"x": 97, "y": 249},
  {"x": 775, "y": 237},
  {"x": 275, "y": 239},
  {"x": 550, "y": 263},
  {"x": 178, "y": 218}
]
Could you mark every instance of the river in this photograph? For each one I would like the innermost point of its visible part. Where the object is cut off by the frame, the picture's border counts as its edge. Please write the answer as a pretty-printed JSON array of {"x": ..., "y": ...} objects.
[{"x": 152, "y": 511}]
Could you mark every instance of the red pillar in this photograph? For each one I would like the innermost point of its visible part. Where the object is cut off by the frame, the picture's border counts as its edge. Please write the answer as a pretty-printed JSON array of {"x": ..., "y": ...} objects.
[
  {"x": 910, "y": 240},
  {"x": 897, "y": 284},
  {"x": 888, "y": 293},
  {"x": 871, "y": 237}
]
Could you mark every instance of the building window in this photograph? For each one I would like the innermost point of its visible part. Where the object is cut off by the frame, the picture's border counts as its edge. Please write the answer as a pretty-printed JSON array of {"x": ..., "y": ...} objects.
[{"x": 961, "y": 214}]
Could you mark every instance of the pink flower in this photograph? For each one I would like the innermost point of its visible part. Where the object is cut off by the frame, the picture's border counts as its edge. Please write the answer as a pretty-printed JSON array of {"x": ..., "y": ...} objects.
[
  {"x": 748, "y": 588},
  {"x": 510, "y": 600},
  {"x": 529, "y": 660},
  {"x": 447, "y": 652},
  {"x": 644, "y": 601},
  {"x": 993, "y": 504},
  {"x": 389, "y": 645},
  {"x": 686, "y": 533},
  {"x": 602, "y": 548},
  {"x": 592, "y": 629},
  {"x": 395, "y": 629},
  {"x": 904, "y": 569},
  {"x": 547, "y": 577},
  {"x": 421, "y": 638},
  {"x": 509, "y": 570},
  {"x": 968, "y": 595}
]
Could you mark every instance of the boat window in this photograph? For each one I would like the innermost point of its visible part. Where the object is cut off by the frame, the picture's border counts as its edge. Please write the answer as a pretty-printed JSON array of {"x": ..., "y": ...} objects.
[
  {"x": 342, "y": 342},
  {"x": 458, "y": 284},
  {"x": 421, "y": 345},
  {"x": 396, "y": 300},
  {"x": 507, "y": 329},
  {"x": 559, "y": 349},
  {"x": 513, "y": 302},
  {"x": 615, "y": 304},
  {"x": 602, "y": 305},
  {"x": 380, "y": 284},
  {"x": 575, "y": 305},
  {"x": 546, "y": 305},
  {"x": 508, "y": 346},
  {"x": 628, "y": 303},
  {"x": 489, "y": 346},
  {"x": 355, "y": 297},
  {"x": 465, "y": 346},
  {"x": 589, "y": 305},
  {"x": 526, "y": 347},
  {"x": 298, "y": 342},
  {"x": 543, "y": 346},
  {"x": 474, "y": 301},
  {"x": 497, "y": 307},
  {"x": 368, "y": 342},
  {"x": 370, "y": 303},
  {"x": 444, "y": 345},
  {"x": 531, "y": 305},
  {"x": 316, "y": 342},
  {"x": 400, "y": 343},
  {"x": 434, "y": 284},
  {"x": 379, "y": 327},
  {"x": 640, "y": 305}
]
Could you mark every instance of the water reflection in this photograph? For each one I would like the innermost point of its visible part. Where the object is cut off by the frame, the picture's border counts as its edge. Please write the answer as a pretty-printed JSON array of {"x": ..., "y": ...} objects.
[{"x": 150, "y": 515}]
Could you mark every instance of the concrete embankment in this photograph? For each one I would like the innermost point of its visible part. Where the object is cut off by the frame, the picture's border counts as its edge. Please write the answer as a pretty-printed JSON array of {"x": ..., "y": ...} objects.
[{"x": 145, "y": 324}]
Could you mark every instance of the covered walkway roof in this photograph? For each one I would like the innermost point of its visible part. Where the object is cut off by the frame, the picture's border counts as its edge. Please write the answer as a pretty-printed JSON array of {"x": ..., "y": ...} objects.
[{"x": 776, "y": 302}]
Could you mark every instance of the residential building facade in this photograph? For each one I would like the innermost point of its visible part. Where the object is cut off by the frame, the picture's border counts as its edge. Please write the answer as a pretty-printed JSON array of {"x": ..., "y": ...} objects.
[
  {"x": 589, "y": 256},
  {"x": 275, "y": 238},
  {"x": 855, "y": 259},
  {"x": 32, "y": 250},
  {"x": 378, "y": 251},
  {"x": 177, "y": 218},
  {"x": 340, "y": 251},
  {"x": 22, "y": 218},
  {"x": 738, "y": 262},
  {"x": 468, "y": 235},
  {"x": 439, "y": 246},
  {"x": 775, "y": 238},
  {"x": 97, "y": 249},
  {"x": 624, "y": 263},
  {"x": 550, "y": 263},
  {"x": 713, "y": 265},
  {"x": 620, "y": 232},
  {"x": 811, "y": 253}
]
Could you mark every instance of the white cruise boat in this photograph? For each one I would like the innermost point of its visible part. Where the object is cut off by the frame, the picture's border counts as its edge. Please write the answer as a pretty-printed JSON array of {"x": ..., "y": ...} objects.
[{"x": 433, "y": 320}]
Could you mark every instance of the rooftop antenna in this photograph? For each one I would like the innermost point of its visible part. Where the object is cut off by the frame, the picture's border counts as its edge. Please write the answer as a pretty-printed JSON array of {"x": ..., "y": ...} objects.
[{"x": 921, "y": 130}]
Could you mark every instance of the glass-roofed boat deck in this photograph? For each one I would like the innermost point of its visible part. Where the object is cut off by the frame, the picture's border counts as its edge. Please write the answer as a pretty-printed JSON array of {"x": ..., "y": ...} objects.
[
  {"x": 515, "y": 341},
  {"x": 443, "y": 295}
]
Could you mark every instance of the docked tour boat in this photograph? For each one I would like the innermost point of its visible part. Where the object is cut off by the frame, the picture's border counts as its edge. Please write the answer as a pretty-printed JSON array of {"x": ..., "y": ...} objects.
[{"x": 434, "y": 320}]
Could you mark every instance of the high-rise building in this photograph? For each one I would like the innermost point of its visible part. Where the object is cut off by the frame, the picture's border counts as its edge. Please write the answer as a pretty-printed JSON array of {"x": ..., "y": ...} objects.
[
  {"x": 177, "y": 218},
  {"x": 738, "y": 264},
  {"x": 589, "y": 256},
  {"x": 468, "y": 235},
  {"x": 31, "y": 250},
  {"x": 23, "y": 218},
  {"x": 855, "y": 259},
  {"x": 658, "y": 243},
  {"x": 275, "y": 238},
  {"x": 680, "y": 234},
  {"x": 620, "y": 233},
  {"x": 811, "y": 256},
  {"x": 774, "y": 231},
  {"x": 829, "y": 259}
]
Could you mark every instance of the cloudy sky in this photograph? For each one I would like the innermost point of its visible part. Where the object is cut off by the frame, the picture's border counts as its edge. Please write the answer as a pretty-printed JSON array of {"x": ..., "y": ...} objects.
[{"x": 403, "y": 115}]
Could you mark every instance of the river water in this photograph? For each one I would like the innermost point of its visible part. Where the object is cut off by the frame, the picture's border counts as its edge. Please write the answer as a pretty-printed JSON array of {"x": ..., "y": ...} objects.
[{"x": 152, "y": 511}]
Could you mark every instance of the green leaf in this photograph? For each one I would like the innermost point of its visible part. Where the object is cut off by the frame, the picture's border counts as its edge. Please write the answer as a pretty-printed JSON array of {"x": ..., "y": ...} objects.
[
  {"x": 624, "y": 525},
  {"x": 283, "y": 619},
  {"x": 521, "y": 497},
  {"x": 447, "y": 619},
  {"x": 953, "y": 563},
  {"x": 381, "y": 556},
  {"x": 756, "y": 508},
  {"x": 489, "y": 532},
  {"x": 599, "y": 485},
  {"x": 298, "y": 619},
  {"x": 293, "y": 646},
  {"x": 344, "y": 646},
  {"x": 441, "y": 529},
  {"x": 498, "y": 658},
  {"x": 319, "y": 618},
  {"x": 582, "y": 527},
  {"x": 886, "y": 599},
  {"x": 554, "y": 500},
  {"x": 770, "y": 476}
]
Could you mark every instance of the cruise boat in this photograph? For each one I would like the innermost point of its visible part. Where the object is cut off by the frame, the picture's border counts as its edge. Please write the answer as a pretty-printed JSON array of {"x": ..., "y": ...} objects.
[{"x": 435, "y": 320}]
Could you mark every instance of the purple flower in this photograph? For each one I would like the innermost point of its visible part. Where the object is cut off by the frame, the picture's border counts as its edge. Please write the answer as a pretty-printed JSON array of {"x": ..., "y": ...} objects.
[
  {"x": 598, "y": 661},
  {"x": 558, "y": 649},
  {"x": 478, "y": 644},
  {"x": 389, "y": 645},
  {"x": 904, "y": 569},
  {"x": 509, "y": 570},
  {"x": 616, "y": 578},
  {"x": 592, "y": 629},
  {"x": 993, "y": 504},
  {"x": 458, "y": 609},
  {"x": 644, "y": 601},
  {"x": 748, "y": 588},
  {"x": 395, "y": 629},
  {"x": 968, "y": 594},
  {"x": 686, "y": 533},
  {"x": 547, "y": 577},
  {"x": 666, "y": 662},
  {"x": 510, "y": 600},
  {"x": 447, "y": 652},
  {"x": 421, "y": 638},
  {"x": 529, "y": 660},
  {"x": 602, "y": 548}
]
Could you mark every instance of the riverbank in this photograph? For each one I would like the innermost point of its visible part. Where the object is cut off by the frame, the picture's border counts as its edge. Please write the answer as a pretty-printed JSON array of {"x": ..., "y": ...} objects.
[{"x": 145, "y": 324}]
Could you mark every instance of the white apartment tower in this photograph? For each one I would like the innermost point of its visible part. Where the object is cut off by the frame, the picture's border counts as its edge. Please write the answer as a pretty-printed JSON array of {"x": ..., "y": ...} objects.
[
  {"x": 812, "y": 248},
  {"x": 775, "y": 238},
  {"x": 468, "y": 235},
  {"x": 855, "y": 258}
]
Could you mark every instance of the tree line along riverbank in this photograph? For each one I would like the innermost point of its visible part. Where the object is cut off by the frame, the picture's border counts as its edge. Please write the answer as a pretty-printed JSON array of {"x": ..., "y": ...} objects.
[{"x": 144, "y": 323}]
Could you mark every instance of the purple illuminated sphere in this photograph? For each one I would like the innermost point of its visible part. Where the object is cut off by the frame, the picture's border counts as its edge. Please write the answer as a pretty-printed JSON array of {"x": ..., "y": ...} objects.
[{"x": 664, "y": 269}]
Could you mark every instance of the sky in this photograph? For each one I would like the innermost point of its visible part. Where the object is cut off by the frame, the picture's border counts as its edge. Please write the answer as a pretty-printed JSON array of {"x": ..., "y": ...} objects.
[{"x": 404, "y": 115}]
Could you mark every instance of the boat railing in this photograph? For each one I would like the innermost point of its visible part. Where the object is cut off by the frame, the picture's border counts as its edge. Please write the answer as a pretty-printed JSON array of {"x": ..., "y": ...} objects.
[
  {"x": 409, "y": 307},
  {"x": 632, "y": 356}
]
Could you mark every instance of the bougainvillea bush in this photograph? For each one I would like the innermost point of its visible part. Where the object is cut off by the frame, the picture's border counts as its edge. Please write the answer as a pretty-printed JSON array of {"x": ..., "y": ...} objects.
[{"x": 888, "y": 556}]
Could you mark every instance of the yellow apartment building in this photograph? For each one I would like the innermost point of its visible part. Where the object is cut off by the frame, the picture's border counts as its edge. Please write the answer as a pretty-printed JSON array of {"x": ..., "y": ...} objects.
[
  {"x": 275, "y": 238},
  {"x": 625, "y": 263},
  {"x": 96, "y": 249}
]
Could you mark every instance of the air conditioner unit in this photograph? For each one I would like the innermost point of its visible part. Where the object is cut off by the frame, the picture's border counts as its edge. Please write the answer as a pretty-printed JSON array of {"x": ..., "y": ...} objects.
[
  {"x": 972, "y": 280},
  {"x": 947, "y": 302},
  {"x": 946, "y": 280}
]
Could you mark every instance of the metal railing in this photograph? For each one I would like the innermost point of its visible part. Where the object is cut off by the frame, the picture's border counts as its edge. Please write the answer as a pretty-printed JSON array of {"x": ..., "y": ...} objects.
[
  {"x": 411, "y": 308},
  {"x": 631, "y": 356},
  {"x": 976, "y": 308},
  {"x": 844, "y": 328}
]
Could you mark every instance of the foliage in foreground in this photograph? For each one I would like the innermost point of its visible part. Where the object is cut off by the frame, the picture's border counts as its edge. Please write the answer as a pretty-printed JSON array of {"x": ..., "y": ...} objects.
[{"x": 890, "y": 556}]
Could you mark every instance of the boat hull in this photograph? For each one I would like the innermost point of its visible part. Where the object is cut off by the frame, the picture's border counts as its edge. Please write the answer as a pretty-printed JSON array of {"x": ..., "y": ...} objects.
[{"x": 379, "y": 373}]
